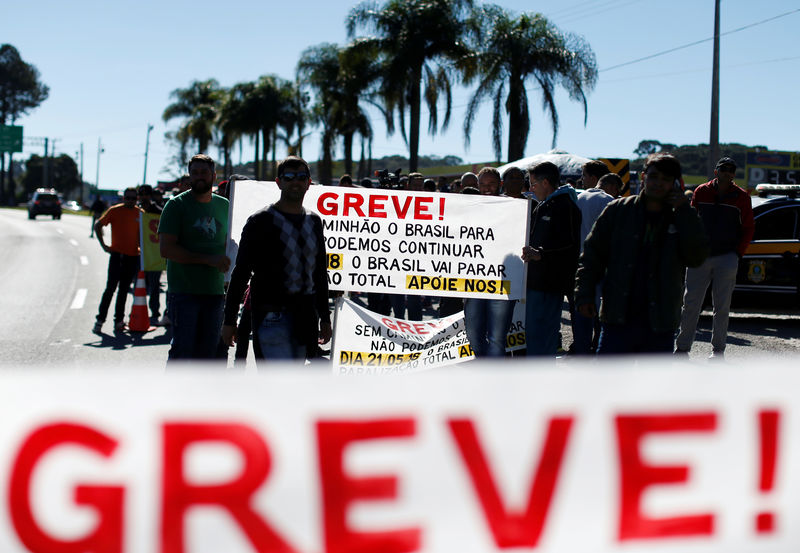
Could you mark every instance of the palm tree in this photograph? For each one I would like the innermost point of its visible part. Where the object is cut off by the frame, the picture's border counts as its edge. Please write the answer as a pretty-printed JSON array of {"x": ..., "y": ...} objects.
[
  {"x": 416, "y": 38},
  {"x": 319, "y": 67},
  {"x": 230, "y": 124},
  {"x": 198, "y": 105},
  {"x": 358, "y": 73},
  {"x": 512, "y": 50}
]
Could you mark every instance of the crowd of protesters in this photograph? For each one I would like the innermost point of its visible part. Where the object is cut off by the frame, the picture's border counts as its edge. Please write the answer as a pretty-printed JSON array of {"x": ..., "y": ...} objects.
[{"x": 633, "y": 270}]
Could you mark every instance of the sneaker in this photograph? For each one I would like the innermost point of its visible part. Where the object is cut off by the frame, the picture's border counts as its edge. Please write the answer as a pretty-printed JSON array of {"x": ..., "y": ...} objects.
[
  {"x": 153, "y": 321},
  {"x": 164, "y": 321},
  {"x": 120, "y": 327},
  {"x": 98, "y": 327},
  {"x": 717, "y": 355}
]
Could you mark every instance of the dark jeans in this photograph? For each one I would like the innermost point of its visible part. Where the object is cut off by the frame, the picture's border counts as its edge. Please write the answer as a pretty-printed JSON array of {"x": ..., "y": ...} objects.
[
  {"x": 633, "y": 338},
  {"x": 542, "y": 322},
  {"x": 152, "y": 281},
  {"x": 122, "y": 270},
  {"x": 487, "y": 323},
  {"x": 196, "y": 325},
  {"x": 401, "y": 302}
]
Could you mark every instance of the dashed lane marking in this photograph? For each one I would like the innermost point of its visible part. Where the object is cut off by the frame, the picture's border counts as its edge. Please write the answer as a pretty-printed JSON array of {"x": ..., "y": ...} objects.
[
  {"x": 84, "y": 260},
  {"x": 80, "y": 299},
  {"x": 73, "y": 242},
  {"x": 60, "y": 231}
]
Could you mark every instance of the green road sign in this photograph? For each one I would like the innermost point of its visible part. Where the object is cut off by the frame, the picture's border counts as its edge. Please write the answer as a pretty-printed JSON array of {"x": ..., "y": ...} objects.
[{"x": 10, "y": 138}]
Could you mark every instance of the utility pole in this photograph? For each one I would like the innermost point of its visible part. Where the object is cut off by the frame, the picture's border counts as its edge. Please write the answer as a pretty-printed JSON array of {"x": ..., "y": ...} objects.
[
  {"x": 146, "y": 149},
  {"x": 713, "y": 142},
  {"x": 81, "y": 197},
  {"x": 100, "y": 150},
  {"x": 79, "y": 157},
  {"x": 44, "y": 164}
]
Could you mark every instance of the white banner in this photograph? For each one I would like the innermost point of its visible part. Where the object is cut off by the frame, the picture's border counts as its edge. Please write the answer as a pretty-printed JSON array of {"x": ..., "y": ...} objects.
[
  {"x": 603, "y": 458},
  {"x": 366, "y": 342},
  {"x": 401, "y": 242}
]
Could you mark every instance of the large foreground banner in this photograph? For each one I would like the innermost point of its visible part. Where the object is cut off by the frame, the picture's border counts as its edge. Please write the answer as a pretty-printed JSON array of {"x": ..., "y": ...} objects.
[
  {"x": 401, "y": 242},
  {"x": 604, "y": 458}
]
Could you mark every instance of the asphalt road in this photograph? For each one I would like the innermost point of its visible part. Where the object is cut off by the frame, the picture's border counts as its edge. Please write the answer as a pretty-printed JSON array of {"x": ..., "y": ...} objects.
[
  {"x": 53, "y": 275},
  {"x": 52, "y": 278}
]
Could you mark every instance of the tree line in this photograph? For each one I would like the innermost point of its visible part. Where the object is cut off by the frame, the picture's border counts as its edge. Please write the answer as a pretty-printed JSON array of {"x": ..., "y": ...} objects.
[
  {"x": 400, "y": 54},
  {"x": 20, "y": 92}
]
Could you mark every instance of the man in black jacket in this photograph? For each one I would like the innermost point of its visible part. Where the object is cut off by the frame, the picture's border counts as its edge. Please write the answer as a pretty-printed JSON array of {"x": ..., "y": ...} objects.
[
  {"x": 283, "y": 249},
  {"x": 639, "y": 248},
  {"x": 552, "y": 257}
]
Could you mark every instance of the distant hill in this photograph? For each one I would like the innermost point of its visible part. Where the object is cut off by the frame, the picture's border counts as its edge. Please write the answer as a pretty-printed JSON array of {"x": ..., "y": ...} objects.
[
  {"x": 442, "y": 165},
  {"x": 693, "y": 157}
]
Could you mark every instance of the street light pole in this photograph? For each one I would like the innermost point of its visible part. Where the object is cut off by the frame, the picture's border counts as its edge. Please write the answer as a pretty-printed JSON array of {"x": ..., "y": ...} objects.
[
  {"x": 146, "y": 149},
  {"x": 713, "y": 142},
  {"x": 100, "y": 150}
]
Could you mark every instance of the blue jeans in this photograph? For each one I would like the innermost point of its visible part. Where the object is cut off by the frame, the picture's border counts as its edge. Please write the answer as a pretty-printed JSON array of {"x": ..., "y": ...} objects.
[
  {"x": 276, "y": 338},
  {"x": 633, "y": 338},
  {"x": 196, "y": 324},
  {"x": 542, "y": 322},
  {"x": 487, "y": 323}
]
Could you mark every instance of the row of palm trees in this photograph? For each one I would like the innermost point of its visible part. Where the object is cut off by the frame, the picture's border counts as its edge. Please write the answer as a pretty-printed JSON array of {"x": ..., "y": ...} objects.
[{"x": 402, "y": 53}]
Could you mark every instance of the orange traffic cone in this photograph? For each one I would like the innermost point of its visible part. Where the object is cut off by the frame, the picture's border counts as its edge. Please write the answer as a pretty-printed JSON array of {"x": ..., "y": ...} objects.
[{"x": 139, "y": 321}]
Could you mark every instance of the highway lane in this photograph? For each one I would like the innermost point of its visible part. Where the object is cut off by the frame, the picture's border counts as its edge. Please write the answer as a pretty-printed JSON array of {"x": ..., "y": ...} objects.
[{"x": 53, "y": 275}]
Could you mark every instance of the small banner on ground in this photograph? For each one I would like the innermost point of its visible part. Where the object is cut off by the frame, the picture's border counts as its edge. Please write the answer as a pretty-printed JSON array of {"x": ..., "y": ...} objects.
[
  {"x": 663, "y": 457},
  {"x": 148, "y": 238},
  {"x": 401, "y": 242},
  {"x": 366, "y": 342},
  {"x": 370, "y": 343}
]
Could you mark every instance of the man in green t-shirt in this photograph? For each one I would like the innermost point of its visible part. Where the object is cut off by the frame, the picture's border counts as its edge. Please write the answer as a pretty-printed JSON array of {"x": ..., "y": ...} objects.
[{"x": 192, "y": 235}]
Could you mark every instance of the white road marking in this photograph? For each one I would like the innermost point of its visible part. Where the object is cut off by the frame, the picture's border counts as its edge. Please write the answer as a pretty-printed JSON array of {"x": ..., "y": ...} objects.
[
  {"x": 84, "y": 260},
  {"x": 80, "y": 299},
  {"x": 73, "y": 242},
  {"x": 60, "y": 231}
]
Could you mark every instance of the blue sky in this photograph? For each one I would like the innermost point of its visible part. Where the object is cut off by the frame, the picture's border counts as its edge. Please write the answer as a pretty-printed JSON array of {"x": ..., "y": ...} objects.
[{"x": 111, "y": 67}]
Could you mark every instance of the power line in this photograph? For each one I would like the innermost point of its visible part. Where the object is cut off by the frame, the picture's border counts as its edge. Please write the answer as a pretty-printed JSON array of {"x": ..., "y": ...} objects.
[
  {"x": 651, "y": 56},
  {"x": 698, "y": 70},
  {"x": 598, "y": 10}
]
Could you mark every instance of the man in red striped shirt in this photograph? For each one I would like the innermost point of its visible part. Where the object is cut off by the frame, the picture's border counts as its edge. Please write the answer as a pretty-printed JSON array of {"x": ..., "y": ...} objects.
[{"x": 727, "y": 214}]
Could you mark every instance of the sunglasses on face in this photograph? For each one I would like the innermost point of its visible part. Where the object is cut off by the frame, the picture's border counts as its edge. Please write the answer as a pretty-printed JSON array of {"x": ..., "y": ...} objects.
[{"x": 291, "y": 175}]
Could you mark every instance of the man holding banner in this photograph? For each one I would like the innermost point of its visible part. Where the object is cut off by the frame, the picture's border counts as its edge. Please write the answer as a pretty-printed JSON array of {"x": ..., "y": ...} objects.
[
  {"x": 282, "y": 255},
  {"x": 486, "y": 320}
]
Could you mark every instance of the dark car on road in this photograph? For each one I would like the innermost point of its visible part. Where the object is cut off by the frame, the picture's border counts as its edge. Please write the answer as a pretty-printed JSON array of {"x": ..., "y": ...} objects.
[
  {"x": 44, "y": 202},
  {"x": 772, "y": 261}
]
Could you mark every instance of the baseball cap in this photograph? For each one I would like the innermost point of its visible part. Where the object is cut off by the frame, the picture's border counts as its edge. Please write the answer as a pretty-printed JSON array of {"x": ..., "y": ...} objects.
[{"x": 726, "y": 162}]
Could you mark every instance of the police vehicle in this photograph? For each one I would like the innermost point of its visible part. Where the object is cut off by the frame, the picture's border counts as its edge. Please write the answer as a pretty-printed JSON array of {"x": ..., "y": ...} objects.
[{"x": 772, "y": 261}]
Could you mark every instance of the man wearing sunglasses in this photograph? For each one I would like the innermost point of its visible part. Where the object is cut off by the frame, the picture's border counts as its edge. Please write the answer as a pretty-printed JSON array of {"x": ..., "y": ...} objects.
[
  {"x": 123, "y": 256},
  {"x": 192, "y": 237},
  {"x": 282, "y": 255}
]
